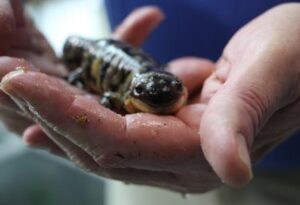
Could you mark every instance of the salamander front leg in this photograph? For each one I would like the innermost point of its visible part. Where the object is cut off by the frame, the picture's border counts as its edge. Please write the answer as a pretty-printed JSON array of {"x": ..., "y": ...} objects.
[
  {"x": 75, "y": 78},
  {"x": 112, "y": 100}
]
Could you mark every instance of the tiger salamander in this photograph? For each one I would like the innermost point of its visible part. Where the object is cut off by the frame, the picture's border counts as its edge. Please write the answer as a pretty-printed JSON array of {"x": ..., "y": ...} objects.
[{"x": 127, "y": 79}]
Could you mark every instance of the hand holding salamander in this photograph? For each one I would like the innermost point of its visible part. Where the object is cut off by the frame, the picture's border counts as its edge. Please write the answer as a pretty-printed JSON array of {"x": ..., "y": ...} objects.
[{"x": 137, "y": 148}]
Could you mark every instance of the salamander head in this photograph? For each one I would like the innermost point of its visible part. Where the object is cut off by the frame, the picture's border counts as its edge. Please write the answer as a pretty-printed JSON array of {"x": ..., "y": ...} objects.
[
  {"x": 156, "y": 92},
  {"x": 73, "y": 51}
]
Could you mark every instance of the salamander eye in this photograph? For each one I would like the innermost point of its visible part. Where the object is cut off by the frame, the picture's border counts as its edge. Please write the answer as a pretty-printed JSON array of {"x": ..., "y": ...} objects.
[
  {"x": 138, "y": 90},
  {"x": 177, "y": 85}
]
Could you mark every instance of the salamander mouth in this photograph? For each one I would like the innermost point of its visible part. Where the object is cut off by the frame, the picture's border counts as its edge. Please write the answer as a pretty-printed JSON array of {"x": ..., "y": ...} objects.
[{"x": 133, "y": 105}]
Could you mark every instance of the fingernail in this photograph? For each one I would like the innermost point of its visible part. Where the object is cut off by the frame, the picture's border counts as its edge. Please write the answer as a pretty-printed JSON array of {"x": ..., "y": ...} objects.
[
  {"x": 5, "y": 80},
  {"x": 243, "y": 153}
]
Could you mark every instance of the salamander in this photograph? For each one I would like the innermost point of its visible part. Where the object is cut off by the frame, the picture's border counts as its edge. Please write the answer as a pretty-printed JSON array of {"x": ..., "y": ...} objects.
[{"x": 126, "y": 78}]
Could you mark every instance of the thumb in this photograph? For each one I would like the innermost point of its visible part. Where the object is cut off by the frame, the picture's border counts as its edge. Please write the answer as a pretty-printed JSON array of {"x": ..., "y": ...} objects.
[
  {"x": 259, "y": 72},
  {"x": 251, "y": 93}
]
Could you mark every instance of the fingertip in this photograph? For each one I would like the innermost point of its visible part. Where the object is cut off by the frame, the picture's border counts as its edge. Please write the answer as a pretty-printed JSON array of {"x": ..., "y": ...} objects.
[
  {"x": 188, "y": 67},
  {"x": 31, "y": 134},
  {"x": 147, "y": 15},
  {"x": 206, "y": 63},
  {"x": 13, "y": 79},
  {"x": 6, "y": 84},
  {"x": 138, "y": 25},
  {"x": 154, "y": 10},
  {"x": 33, "y": 86},
  {"x": 192, "y": 71}
]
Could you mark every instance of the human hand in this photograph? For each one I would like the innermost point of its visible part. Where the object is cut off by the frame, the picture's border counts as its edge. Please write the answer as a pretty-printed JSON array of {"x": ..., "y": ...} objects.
[
  {"x": 139, "y": 148},
  {"x": 253, "y": 96},
  {"x": 20, "y": 38}
]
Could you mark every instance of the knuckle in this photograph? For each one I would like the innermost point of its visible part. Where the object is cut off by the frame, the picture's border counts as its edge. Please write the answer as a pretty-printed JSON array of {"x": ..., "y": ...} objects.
[{"x": 258, "y": 106}]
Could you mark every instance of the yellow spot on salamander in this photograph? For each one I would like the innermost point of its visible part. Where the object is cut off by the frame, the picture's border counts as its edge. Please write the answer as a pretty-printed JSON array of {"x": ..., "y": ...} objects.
[{"x": 96, "y": 70}]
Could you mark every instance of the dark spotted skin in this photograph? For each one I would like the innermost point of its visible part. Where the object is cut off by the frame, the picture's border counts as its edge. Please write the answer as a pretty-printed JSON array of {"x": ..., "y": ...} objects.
[
  {"x": 157, "y": 89},
  {"x": 126, "y": 78}
]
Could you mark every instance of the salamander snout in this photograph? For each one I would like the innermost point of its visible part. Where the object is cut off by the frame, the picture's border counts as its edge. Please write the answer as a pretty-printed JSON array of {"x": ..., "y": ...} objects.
[{"x": 157, "y": 92}]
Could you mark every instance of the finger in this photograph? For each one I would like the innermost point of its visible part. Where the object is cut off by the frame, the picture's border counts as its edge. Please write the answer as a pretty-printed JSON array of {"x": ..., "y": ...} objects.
[
  {"x": 25, "y": 39},
  {"x": 192, "y": 115},
  {"x": 82, "y": 120},
  {"x": 138, "y": 25},
  {"x": 209, "y": 89},
  {"x": 18, "y": 12},
  {"x": 60, "y": 145},
  {"x": 45, "y": 64},
  {"x": 214, "y": 82},
  {"x": 7, "y": 25},
  {"x": 26, "y": 35},
  {"x": 8, "y": 64},
  {"x": 37, "y": 138},
  {"x": 176, "y": 145},
  {"x": 192, "y": 71},
  {"x": 159, "y": 179},
  {"x": 30, "y": 39},
  {"x": 46, "y": 48},
  {"x": 112, "y": 140},
  {"x": 34, "y": 137},
  {"x": 13, "y": 121},
  {"x": 12, "y": 19},
  {"x": 39, "y": 135},
  {"x": 81, "y": 159}
]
